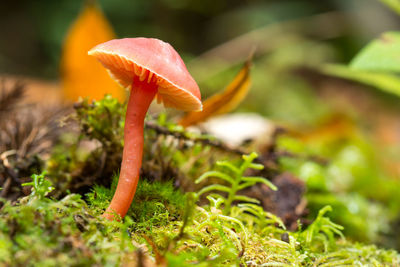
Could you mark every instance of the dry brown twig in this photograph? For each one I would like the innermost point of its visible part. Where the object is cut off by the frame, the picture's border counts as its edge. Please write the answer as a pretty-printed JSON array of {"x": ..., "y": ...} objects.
[{"x": 184, "y": 136}]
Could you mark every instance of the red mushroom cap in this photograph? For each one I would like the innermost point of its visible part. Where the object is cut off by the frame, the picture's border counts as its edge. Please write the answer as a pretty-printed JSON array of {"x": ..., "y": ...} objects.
[{"x": 152, "y": 60}]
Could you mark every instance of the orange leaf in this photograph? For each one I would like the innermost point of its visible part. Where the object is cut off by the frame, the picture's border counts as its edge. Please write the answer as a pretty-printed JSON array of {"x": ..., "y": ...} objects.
[
  {"x": 223, "y": 102},
  {"x": 82, "y": 75}
]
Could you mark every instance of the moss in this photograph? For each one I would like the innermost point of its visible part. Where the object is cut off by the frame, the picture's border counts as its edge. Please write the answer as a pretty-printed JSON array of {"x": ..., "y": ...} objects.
[
  {"x": 41, "y": 231},
  {"x": 155, "y": 203},
  {"x": 49, "y": 233},
  {"x": 167, "y": 227}
]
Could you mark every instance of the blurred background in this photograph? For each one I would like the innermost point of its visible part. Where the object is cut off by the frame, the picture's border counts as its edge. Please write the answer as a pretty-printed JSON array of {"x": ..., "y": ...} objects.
[
  {"x": 33, "y": 31},
  {"x": 355, "y": 127},
  {"x": 292, "y": 40}
]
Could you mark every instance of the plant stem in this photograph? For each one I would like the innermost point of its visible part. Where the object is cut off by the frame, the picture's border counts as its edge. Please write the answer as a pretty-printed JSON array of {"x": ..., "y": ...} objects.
[{"x": 231, "y": 195}]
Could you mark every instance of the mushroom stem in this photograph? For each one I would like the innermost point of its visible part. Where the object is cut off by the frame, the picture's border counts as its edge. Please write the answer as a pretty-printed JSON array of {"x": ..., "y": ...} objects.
[{"x": 142, "y": 94}]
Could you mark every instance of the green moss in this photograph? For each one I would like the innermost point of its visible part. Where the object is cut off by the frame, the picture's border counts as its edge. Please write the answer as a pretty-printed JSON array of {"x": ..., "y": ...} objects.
[
  {"x": 155, "y": 203},
  {"x": 40, "y": 231},
  {"x": 49, "y": 233},
  {"x": 170, "y": 228}
]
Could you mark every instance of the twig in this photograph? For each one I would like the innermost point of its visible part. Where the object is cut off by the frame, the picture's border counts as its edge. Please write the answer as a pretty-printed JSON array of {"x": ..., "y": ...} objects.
[
  {"x": 183, "y": 136},
  {"x": 6, "y": 187},
  {"x": 272, "y": 155},
  {"x": 7, "y": 167}
]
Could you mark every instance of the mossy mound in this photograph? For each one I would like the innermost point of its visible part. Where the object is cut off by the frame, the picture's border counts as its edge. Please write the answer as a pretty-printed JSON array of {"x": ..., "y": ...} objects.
[{"x": 170, "y": 229}]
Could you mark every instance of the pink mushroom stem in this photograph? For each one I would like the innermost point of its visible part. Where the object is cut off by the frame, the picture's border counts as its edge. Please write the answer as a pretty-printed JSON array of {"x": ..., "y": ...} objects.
[
  {"x": 142, "y": 94},
  {"x": 155, "y": 68}
]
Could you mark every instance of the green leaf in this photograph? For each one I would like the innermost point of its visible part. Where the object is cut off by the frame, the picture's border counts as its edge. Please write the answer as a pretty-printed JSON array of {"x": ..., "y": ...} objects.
[
  {"x": 246, "y": 199},
  {"x": 229, "y": 166},
  {"x": 245, "y": 185},
  {"x": 40, "y": 186},
  {"x": 382, "y": 54},
  {"x": 214, "y": 187},
  {"x": 393, "y": 4},
  {"x": 257, "y": 179},
  {"x": 384, "y": 81},
  {"x": 256, "y": 166},
  {"x": 216, "y": 202},
  {"x": 235, "y": 221},
  {"x": 218, "y": 174},
  {"x": 250, "y": 157}
]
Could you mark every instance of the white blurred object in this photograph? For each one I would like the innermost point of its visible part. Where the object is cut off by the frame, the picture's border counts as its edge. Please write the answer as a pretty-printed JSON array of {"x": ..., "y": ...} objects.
[{"x": 237, "y": 128}]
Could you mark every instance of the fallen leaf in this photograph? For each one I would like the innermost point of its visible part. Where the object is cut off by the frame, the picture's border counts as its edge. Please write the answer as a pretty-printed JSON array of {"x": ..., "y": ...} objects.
[
  {"x": 223, "y": 102},
  {"x": 336, "y": 127},
  {"x": 82, "y": 75}
]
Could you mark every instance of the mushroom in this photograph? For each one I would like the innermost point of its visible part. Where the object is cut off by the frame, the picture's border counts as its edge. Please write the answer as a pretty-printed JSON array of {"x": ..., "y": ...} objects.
[{"x": 150, "y": 68}]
